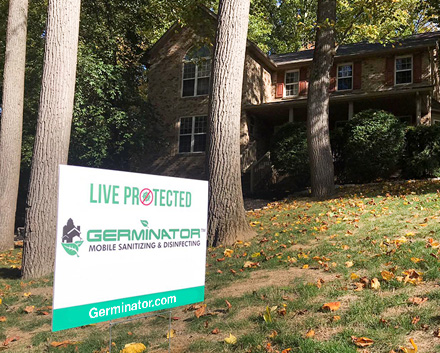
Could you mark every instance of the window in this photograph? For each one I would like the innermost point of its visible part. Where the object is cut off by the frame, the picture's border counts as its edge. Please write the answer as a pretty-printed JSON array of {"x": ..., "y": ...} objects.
[
  {"x": 192, "y": 135},
  {"x": 403, "y": 70},
  {"x": 345, "y": 77},
  {"x": 292, "y": 83},
  {"x": 196, "y": 72}
]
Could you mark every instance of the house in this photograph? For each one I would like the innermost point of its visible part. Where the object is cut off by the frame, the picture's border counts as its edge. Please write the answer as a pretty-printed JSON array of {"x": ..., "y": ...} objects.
[{"x": 401, "y": 77}]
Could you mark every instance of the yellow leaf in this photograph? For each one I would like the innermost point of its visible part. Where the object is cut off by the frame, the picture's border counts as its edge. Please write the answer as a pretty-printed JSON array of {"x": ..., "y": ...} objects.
[
  {"x": 231, "y": 339},
  {"x": 410, "y": 350},
  {"x": 305, "y": 266},
  {"x": 170, "y": 334},
  {"x": 27, "y": 294},
  {"x": 416, "y": 260},
  {"x": 267, "y": 316},
  {"x": 387, "y": 275},
  {"x": 134, "y": 348},
  {"x": 354, "y": 276},
  {"x": 228, "y": 252},
  {"x": 256, "y": 254},
  {"x": 349, "y": 264},
  {"x": 375, "y": 284},
  {"x": 0, "y": 301},
  {"x": 336, "y": 318},
  {"x": 362, "y": 341}
]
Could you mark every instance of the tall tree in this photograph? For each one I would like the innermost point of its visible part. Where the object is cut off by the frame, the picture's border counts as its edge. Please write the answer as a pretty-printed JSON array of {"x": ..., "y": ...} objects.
[
  {"x": 318, "y": 136},
  {"x": 12, "y": 118},
  {"x": 226, "y": 217},
  {"x": 52, "y": 137}
]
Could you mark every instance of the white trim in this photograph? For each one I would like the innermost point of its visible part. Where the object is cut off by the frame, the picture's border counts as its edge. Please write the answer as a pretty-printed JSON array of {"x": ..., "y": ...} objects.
[
  {"x": 285, "y": 84},
  {"x": 352, "y": 76},
  {"x": 195, "y": 75},
  {"x": 395, "y": 69},
  {"x": 192, "y": 134}
]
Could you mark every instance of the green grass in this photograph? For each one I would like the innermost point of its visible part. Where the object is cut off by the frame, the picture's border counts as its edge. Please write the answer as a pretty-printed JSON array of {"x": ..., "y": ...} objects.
[{"x": 363, "y": 231}]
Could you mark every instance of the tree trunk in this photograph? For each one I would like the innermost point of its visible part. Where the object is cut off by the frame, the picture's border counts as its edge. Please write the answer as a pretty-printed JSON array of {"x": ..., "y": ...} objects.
[
  {"x": 52, "y": 136},
  {"x": 318, "y": 136},
  {"x": 226, "y": 217},
  {"x": 12, "y": 119}
]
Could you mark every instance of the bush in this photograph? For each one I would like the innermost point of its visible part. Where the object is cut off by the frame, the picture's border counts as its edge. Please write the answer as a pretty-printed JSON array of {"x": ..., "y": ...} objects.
[
  {"x": 422, "y": 152},
  {"x": 289, "y": 154},
  {"x": 373, "y": 145}
]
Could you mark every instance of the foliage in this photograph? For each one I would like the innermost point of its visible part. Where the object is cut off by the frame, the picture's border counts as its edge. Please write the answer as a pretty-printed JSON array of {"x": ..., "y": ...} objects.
[
  {"x": 289, "y": 152},
  {"x": 422, "y": 152},
  {"x": 373, "y": 144}
]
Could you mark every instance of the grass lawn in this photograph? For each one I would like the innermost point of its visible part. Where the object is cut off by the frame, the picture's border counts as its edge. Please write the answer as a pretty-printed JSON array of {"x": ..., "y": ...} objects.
[{"x": 372, "y": 254}]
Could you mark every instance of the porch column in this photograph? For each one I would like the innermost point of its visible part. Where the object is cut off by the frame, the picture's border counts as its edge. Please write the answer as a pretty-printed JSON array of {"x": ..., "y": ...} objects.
[
  {"x": 418, "y": 109},
  {"x": 291, "y": 115},
  {"x": 350, "y": 110}
]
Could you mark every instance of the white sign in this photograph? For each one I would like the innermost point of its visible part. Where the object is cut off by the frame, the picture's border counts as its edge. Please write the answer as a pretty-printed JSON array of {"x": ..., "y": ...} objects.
[{"x": 126, "y": 244}]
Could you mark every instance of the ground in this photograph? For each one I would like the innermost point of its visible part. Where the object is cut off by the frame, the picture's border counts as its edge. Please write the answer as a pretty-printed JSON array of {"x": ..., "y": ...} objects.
[{"x": 357, "y": 273}]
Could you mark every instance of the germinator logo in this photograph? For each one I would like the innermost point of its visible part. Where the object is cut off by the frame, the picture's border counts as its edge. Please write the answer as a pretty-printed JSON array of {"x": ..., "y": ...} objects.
[{"x": 71, "y": 240}]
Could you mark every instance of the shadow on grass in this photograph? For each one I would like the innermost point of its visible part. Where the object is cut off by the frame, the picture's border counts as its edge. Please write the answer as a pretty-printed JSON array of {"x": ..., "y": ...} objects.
[{"x": 10, "y": 273}]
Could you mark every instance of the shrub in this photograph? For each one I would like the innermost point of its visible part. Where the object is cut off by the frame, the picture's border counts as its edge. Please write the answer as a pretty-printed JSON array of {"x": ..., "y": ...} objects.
[
  {"x": 422, "y": 152},
  {"x": 289, "y": 153},
  {"x": 373, "y": 145}
]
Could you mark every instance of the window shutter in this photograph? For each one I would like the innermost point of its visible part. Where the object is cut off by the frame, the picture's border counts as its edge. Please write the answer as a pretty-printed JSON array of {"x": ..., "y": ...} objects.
[
  {"x": 357, "y": 75},
  {"x": 332, "y": 87},
  {"x": 280, "y": 85},
  {"x": 417, "y": 67},
  {"x": 389, "y": 71},
  {"x": 303, "y": 83}
]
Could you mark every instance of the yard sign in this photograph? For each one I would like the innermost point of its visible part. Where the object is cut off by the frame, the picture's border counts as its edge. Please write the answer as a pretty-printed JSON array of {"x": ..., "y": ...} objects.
[{"x": 126, "y": 244}]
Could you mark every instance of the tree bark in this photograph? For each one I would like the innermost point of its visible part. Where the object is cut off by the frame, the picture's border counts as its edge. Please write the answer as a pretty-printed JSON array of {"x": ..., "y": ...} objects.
[
  {"x": 52, "y": 136},
  {"x": 226, "y": 217},
  {"x": 12, "y": 118},
  {"x": 318, "y": 136}
]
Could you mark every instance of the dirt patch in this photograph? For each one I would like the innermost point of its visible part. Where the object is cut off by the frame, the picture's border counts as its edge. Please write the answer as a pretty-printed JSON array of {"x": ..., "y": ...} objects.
[
  {"x": 42, "y": 291},
  {"x": 267, "y": 278},
  {"x": 327, "y": 333},
  {"x": 423, "y": 339}
]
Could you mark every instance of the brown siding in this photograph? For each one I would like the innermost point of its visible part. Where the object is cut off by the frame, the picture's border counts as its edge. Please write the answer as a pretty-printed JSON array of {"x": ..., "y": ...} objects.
[
  {"x": 357, "y": 75},
  {"x": 389, "y": 71},
  {"x": 417, "y": 67}
]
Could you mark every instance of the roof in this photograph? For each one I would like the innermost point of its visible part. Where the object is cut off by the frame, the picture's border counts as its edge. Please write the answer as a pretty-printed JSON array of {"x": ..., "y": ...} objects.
[{"x": 362, "y": 48}]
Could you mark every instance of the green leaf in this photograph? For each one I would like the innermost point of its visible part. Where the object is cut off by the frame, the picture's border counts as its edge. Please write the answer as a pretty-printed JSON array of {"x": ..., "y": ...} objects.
[
  {"x": 267, "y": 316},
  {"x": 71, "y": 248},
  {"x": 144, "y": 223}
]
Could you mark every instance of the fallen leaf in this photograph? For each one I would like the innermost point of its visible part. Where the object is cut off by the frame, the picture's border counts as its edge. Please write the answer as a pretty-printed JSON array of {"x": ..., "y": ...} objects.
[
  {"x": 287, "y": 350},
  {"x": 310, "y": 333},
  {"x": 336, "y": 318},
  {"x": 417, "y": 300},
  {"x": 354, "y": 276},
  {"x": 362, "y": 341},
  {"x": 331, "y": 306},
  {"x": 134, "y": 348},
  {"x": 216, "y": 331},
  {"x": 29, "y": 309},
  {"x": 2, "y": 318},
  {"x": 228, "y": 252},
  {"x": 10, "y": 339},
  {"x": 349, "y": 264},
  {"x": 387, "y": 275},
  {"x": 231, "y": 339},
  {"x": 200, "y": 311},
  {"x": 63, "y": 343},
  {"x": 273, "y": 334},
  {"x": 375, "y": 284},
  {"x": 415, "y": 320},
  {"x": 410, "y": 350},
  {"x": 305, "y": 266},
  {"x": 267, "y": 316},
  {"x": 170, "y": 334},
  {"x": 28, "y": 294},
  {"x": 228, "y": 304},
  {"x": 416, "y": 260}
]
